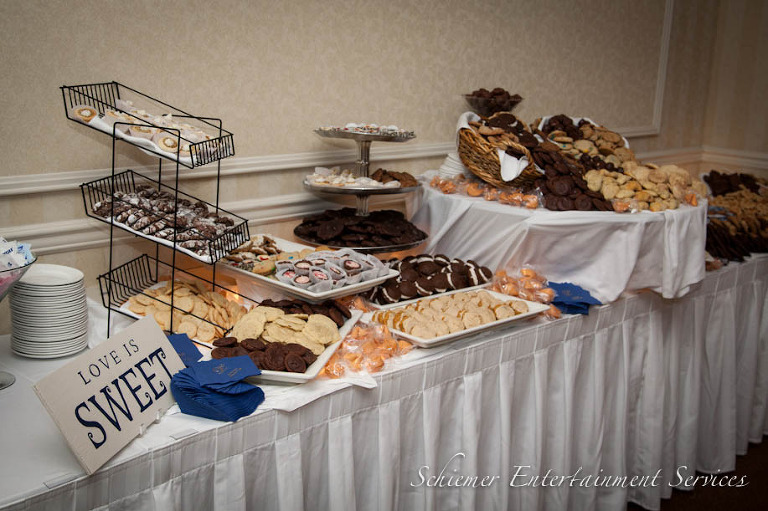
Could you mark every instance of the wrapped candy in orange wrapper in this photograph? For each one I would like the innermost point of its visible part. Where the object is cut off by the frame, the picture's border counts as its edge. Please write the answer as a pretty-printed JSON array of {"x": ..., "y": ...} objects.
[
  {"x": 365, "y": 349},
  {"x": 475, "y": 188},
  {"x": 529, "y": 285}
]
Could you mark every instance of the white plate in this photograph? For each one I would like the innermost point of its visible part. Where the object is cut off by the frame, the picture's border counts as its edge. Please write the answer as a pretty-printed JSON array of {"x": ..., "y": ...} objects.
[
  {"x": 289, "y": 246},
  {"x": 48, "y": 322},
  {"x": 52, "y": 338},
  {"x": 314, "y": 369},
  {"x": 71, "y": 351},
  {"x": 534, "y": 308},
  {"x": 49, "y": 275},
  {"x": 48, "y": 330},
  {"x": 50, "y": 314},
  {"x": 56, "y": 285},
  {"x": 37, "y": 295},
  {"x": 49, "y": 334},
  {"x": 49, "y": 304},
  {"x": 53, "y": 345},
  {"x": 47, "y": 347}
]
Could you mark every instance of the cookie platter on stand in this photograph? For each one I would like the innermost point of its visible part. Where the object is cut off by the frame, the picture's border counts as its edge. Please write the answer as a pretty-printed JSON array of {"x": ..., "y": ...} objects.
[{"x": 365, "y": 231}]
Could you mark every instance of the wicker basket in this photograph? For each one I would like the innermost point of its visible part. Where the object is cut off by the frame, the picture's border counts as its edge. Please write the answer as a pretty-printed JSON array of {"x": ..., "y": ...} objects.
[{"x": 482, "y": 159}]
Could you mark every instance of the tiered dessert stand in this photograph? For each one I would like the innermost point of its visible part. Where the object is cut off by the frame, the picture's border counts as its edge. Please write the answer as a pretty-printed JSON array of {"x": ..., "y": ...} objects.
[
  {"x": 134, "y": 276},
  {"x": 362, "y": 193}
]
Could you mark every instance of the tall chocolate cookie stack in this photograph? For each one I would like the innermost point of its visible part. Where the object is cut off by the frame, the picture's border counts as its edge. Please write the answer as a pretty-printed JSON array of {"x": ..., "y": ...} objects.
[{"x": 424, "y": 275}]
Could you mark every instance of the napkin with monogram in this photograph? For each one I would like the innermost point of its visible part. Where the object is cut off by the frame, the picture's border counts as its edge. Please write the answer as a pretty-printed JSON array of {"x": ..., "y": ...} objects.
[{"x": 215, "y": 389}]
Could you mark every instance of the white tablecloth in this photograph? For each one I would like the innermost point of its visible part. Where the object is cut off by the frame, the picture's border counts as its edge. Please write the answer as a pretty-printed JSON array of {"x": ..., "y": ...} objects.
[
  {"x": 606, "y": 254},
  {"x": 640, "y": 385}
]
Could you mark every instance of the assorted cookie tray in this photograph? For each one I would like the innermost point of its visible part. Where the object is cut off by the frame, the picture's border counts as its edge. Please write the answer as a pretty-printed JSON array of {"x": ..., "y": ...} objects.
[
  {"x": 508, "y": 310},
  {"x": 288, "y": 276},
  {"x": 314, "y": 368}
]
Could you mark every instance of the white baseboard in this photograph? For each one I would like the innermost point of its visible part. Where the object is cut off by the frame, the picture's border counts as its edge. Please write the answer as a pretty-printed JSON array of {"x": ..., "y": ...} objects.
[{"x": 748, "y": 161}]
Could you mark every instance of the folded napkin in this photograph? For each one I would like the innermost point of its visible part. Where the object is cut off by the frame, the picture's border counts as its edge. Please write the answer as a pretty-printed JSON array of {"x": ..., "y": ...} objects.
[
  {"x": 214, "y": 389},
  {"x": 572, "y": 299},
  {"x": 188, "y": 352}
]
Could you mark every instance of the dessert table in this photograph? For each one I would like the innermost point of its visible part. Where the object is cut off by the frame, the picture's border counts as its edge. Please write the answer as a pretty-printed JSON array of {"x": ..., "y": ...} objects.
[
  {"x": 639, "y": 386},
  {"x": 605, "y": 253}
]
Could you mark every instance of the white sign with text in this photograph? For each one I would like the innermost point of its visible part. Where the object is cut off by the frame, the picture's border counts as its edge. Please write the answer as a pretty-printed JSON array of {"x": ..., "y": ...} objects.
[{"x": 103, "y": 398}]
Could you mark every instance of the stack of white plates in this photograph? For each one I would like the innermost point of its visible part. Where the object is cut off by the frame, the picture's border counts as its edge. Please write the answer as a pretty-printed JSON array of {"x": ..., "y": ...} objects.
[
  {"x": 452, "y": 167},
  {"x": 49, "y": 313}
]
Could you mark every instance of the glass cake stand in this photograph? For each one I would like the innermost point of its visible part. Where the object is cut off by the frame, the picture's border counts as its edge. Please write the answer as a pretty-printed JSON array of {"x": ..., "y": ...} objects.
[
  {"x": 7, "y": 280},
  {"x": 362, "y": 194},
  {"x": 363, "y": 141}
]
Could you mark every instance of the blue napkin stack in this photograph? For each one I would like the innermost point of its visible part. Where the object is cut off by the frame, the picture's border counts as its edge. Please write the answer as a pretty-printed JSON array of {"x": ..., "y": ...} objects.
[
  {"x": 572, "y": 299},
  {"x": 214, "y": 389}
]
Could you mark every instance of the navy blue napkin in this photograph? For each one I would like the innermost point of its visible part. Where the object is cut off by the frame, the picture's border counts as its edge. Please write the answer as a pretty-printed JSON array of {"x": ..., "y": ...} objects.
[
  {"x": 188, "y": 352},
  {"x": 572, "y": 299},
  {"x": 214, "y": 389}
]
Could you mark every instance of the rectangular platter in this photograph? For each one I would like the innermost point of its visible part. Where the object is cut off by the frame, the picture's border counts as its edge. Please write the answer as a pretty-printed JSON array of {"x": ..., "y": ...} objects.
[
  {"x": 314, "y": 369},
  {"x": 534, "y": 308}
]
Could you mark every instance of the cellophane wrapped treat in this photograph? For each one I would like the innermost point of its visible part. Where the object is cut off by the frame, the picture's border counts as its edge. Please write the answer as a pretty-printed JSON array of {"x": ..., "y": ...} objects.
[
  {"x": 366, "y": 349},
  {"x": 476, "y": 188},
  {"x": 529, "y": 285}
]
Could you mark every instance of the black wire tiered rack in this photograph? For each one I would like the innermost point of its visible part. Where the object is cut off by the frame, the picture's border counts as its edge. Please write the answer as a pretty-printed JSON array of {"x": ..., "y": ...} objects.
[{"x": 114, "y": 109}]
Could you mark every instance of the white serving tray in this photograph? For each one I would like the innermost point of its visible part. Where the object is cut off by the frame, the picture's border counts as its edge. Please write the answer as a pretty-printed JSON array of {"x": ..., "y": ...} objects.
[
  {"x": 289, "y": 246},
  {"x": 314, "y": 369},
  {"x": 534, "y": 308}
]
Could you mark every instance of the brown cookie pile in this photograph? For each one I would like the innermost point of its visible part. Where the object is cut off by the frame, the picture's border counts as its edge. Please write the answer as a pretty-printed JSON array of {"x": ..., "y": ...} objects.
[
  {"x": 293, "y": 358},
  {"x": 330, "y": 308},
  {"x": 385, "y": 176},
  {"x": 587, "y": 139},
  {"x": 563, "y": 187},
  {"x": 343, "y": 228},
  {"x": 722, "y": 183},
  {"x": 424, "y": 275}
]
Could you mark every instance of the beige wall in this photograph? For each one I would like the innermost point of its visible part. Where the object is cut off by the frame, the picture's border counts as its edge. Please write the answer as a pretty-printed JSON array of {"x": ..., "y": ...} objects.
[
  {"x": 273, "y": 71},
  {"x": 737, "y": 108}
]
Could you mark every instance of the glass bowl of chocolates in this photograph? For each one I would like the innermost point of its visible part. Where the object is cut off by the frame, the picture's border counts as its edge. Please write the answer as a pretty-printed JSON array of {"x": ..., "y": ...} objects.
[{"x": 486, "y": 103}]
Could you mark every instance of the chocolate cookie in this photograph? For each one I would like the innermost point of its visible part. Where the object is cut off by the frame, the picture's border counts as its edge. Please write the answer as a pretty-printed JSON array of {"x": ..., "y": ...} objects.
[
  {"x": 218, "y": 353},
  {"x": 225, "y": 342},
  {"x": 259, "y": 358},
  {"x": 294, "y": 363},
  {"x": 251, "y": 344}
]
